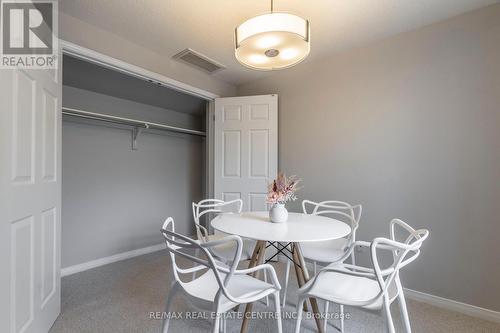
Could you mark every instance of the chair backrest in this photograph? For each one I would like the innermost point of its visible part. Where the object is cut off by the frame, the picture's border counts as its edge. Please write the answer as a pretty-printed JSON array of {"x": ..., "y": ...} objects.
[
  {"x": 217, "y": 206},
  {"x": 403, "y": 252},
  {"x": 179, "y": 245},
  {"x": 336, "y": 209}
]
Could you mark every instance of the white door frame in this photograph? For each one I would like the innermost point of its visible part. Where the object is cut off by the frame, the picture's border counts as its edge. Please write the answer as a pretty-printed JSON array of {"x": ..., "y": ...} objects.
[{"x": 100, "y": 59}]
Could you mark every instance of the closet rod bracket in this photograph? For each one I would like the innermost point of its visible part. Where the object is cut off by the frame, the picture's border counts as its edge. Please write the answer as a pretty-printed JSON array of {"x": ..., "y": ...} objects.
[{"x": 135, "y": 134}]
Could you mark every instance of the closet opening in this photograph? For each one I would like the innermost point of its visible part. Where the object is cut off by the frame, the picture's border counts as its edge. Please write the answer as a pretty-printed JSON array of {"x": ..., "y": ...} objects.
[{"x": 133, "y": 153}]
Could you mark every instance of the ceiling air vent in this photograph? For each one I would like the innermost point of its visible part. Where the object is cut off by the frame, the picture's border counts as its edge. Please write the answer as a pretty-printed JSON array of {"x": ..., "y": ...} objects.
[{"x": 199, "y": 61}]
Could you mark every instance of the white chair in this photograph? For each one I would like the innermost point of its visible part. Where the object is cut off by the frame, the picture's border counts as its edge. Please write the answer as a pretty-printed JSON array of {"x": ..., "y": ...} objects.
[
  {"x": 372, "y": 288},
  {"x": 220, "y": 288},
  {"x": 215, "y": 206},
  {"x": 331, "y": 250},
  {"x": 223, "y": 253}
]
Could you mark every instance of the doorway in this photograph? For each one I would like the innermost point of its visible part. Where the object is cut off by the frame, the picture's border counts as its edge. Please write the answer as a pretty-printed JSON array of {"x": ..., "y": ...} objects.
[{"x": 133, "y": 152}]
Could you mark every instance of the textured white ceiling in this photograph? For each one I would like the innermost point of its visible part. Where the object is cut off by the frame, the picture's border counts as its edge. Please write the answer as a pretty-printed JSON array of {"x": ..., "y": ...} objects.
[{"x": 207, "y": 26}]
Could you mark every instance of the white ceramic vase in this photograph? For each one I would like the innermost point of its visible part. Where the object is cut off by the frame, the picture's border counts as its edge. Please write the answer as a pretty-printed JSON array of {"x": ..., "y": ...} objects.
[{"x": 278, "y": 213}]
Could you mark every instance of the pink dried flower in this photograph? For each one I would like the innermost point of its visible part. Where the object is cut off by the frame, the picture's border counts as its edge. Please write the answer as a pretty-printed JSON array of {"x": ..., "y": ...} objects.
[{"x": 282, "y": 189}]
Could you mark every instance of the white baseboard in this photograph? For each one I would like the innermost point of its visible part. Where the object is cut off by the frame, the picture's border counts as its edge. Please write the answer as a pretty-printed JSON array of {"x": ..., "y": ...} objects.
[
  {"x": 108, "y": 260},
  {"x": 444, "y": 303},
  {"x": 448, "y": 304}
]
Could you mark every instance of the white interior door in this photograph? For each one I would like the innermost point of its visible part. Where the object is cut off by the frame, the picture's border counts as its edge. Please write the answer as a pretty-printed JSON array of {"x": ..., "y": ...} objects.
[
  {"x": 246, "y": 148},
  {"x": 30, "y": 202}
]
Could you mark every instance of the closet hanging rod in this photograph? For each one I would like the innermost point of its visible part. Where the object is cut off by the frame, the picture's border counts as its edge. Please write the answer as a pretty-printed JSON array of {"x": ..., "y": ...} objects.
[{"x": 128, "y": 121}]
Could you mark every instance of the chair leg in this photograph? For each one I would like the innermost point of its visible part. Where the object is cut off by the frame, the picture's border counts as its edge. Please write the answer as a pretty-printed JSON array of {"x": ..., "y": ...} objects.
[
  {"x": 265, "y": 280},
  {"x": 223, "y": 321},
  {"x": 196, "y": 254},
  {"x": 287, "y": 276},
  {"x": 388, "y": 315},
  {"x": 171, "y": 295},
  {"x": 217, "y": 325},
  {"x": 300, "y": 306},
  {"x": 277, "y": 308},
  {"x": 402, "y": 307},
  {"x": 325, "y": 323},
  {"x": 341, "y": 318}
]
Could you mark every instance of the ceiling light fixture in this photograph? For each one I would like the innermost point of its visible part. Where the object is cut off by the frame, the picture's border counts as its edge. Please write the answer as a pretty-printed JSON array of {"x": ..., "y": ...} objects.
[{"x": 272, "y": 41}]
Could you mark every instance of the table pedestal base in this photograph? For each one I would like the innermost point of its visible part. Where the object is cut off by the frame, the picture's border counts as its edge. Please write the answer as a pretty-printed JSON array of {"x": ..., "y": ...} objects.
[{"x": 301, "y": 272}]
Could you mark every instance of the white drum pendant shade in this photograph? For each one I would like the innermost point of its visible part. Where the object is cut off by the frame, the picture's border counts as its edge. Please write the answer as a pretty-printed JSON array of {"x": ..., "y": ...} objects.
[{"x": 272, "y": 41}]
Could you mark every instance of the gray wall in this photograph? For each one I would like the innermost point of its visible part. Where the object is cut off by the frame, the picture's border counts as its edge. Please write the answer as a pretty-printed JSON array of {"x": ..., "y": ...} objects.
[
  {"x": 410, "y": 128},
  {"x": 74, "y": 97},
  {"x": 85, "y": 75},
  {"x": 115, "y": 199}
]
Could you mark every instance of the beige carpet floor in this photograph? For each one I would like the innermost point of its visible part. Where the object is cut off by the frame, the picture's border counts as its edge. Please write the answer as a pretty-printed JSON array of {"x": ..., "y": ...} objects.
[{"x": 122, "y": 297}]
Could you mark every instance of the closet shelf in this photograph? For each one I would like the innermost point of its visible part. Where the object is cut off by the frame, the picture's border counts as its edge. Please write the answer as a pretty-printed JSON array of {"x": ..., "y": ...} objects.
[{"x": 128, "y": 121}]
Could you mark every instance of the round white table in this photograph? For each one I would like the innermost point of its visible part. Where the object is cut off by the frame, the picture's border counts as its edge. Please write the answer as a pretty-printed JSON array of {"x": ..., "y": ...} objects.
[{"x": 298, "y": 228}]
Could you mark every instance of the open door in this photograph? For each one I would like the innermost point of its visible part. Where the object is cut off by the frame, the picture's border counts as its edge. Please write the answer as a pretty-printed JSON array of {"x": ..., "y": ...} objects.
[
  {"x": 246, "y": 148},
  {"x": 30, "y": 199}
]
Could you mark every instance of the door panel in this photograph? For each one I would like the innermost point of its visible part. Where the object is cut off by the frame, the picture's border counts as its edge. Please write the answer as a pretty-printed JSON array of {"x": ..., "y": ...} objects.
[
  {"x": 246, "y": 148},
  {"x": 231, "y": 154},
  {"x": 230, "y": 196},
  {"x": 48, "y": 255},
  {"x": 259, "y": 153},
  {"x": 30, "y": 199},
  {"x": 257, "y": 201},
  {"x": 49, "y": 138},
  {"x": 259, "y": 112},
  {"x": 23, "y": 128},
  {"x": 22, "y": 273},
  {"x": 231, "y": 112}
]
